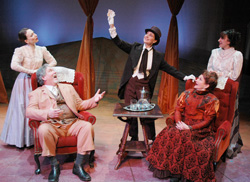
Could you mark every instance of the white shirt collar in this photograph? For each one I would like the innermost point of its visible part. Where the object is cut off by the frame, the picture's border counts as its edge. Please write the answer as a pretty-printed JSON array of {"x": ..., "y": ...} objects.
[
  {"x": 54, "y": 91},
  {"x": 50, "y": 87},
  {"x": 144, "y": 47}
]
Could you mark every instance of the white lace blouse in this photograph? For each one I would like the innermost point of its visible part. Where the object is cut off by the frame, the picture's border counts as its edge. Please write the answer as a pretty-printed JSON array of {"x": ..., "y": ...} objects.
[
  {"x": 27, "y": 60},
  {"x": 226, "y": 63}
]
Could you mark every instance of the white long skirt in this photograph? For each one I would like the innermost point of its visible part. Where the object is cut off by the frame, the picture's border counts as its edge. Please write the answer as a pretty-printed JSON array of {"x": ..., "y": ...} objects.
[{"x": 16, "y": 130}]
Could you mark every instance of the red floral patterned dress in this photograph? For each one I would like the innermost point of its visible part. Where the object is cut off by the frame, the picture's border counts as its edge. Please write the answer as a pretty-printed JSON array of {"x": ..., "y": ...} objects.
[{"x": 187, "y": 153}]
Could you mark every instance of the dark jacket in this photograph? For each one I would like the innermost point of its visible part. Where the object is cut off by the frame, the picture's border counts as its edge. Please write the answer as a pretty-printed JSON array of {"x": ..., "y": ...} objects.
[{"x": 134, "y": 51}]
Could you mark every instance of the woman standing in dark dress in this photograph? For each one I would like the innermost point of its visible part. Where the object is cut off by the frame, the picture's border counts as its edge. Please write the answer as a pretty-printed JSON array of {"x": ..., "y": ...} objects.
[{"x": 185, "y": 150}]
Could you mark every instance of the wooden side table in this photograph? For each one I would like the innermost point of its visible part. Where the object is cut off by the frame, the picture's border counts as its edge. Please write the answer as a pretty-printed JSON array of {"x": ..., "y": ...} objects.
[{"x": 138, "y": 146}]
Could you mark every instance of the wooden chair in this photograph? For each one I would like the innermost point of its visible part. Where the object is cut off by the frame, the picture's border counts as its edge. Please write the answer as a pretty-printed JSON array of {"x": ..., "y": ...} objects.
[
  {"x": 223, "y": 123},
  {"x": 65, "y": 145}
]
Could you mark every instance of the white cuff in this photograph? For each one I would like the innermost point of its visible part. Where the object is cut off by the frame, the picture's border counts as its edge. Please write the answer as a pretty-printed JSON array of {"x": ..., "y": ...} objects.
[
  {"x": 111, "y": 20},
  {"x": 113, "y": 32}
]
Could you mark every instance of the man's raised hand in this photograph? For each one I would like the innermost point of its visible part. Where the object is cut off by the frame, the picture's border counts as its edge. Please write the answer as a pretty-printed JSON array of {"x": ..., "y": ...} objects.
[
  {"x": 111, "y": 15},
  {"x": 98, "y": 96}
]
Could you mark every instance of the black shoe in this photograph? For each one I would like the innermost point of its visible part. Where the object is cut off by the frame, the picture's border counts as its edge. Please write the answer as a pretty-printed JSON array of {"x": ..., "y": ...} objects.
[
  {"x": 54, "y": 173},
  {"x": 79, "y": 171}
]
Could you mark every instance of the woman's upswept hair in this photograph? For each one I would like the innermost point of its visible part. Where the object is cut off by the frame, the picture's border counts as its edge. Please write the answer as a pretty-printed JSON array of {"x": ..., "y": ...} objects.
[
  {"x": 233, "y": 36},
  {"x": 22, "y": 35},
  {"x": 211, "y": 79}
]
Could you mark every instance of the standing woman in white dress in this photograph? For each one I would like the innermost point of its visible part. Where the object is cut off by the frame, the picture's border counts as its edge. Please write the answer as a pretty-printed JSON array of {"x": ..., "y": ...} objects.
[
  {"x": 227, "y": 63},
  {"x": 26, "y": 60}
]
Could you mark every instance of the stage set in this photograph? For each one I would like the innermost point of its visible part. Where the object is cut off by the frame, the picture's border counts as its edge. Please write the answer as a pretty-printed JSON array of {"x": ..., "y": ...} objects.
[{"x": 19, "y": 165}]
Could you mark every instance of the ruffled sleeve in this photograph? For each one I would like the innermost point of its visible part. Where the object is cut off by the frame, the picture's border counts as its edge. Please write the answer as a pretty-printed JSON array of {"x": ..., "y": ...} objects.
[
  {"x": 237, "y": 66},
  {"x": 210, "y": 61},
  {"x": 180, "y": 107},
  {"x": 16, "y": 62},
  {"x": 211, "y": 110},
  {"x": 48, "y": 57}
]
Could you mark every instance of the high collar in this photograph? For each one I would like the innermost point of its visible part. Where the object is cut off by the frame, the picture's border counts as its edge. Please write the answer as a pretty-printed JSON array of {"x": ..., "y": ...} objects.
[
  {"x": 31, "y": 46},
  {"x": 201, "y": 92},
  {"x": 227, "y": 51}
]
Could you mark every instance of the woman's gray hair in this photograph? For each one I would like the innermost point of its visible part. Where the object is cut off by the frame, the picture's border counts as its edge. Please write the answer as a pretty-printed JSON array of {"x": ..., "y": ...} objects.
[{"x": 41, "y": 72}]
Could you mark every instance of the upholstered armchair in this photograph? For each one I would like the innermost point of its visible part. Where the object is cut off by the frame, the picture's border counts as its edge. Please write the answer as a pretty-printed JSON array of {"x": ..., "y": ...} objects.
[
  {"x": 223, "y": 122},
  {"x": 65, "y": 145}
]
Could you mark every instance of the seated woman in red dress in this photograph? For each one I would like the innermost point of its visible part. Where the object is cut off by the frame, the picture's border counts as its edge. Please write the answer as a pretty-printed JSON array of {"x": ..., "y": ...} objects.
[{"x": 185, "y": 150}]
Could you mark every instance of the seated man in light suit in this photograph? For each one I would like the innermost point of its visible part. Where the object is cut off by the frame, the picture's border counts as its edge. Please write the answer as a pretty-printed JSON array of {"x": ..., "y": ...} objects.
[{"x": 57, "y": 106}]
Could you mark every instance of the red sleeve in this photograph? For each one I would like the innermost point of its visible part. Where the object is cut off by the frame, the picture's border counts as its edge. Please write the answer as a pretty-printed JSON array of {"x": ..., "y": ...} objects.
[
  {"x": 209, "y": 114},
  {"x": 180, "y": 107}
]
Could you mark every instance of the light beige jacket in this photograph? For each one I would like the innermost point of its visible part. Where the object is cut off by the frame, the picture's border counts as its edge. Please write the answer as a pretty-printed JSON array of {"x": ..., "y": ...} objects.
[{"x": 41, "y": 101}]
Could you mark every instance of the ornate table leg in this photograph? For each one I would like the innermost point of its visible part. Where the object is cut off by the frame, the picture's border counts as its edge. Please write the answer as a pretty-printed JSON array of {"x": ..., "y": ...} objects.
[{"x": 121, "y": 151}]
